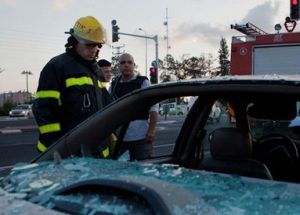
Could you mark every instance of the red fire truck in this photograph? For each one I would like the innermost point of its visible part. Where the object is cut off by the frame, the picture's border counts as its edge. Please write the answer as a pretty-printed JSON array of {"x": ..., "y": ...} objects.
[{"x": 261, "y": 53}]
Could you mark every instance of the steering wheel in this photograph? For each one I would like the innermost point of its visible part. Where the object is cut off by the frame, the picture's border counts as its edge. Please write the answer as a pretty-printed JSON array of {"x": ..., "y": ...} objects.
[
  {"x": 279, "y": 153},
  {"x": 269, "y": 142}
]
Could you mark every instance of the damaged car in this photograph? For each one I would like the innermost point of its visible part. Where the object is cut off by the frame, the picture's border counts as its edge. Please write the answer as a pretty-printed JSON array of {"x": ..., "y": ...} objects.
[{"x": 246, "y": 162}]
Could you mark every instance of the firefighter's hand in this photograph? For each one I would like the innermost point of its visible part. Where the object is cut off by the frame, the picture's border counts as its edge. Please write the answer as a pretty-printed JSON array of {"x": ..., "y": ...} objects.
[{"x": 150, "y": 136}]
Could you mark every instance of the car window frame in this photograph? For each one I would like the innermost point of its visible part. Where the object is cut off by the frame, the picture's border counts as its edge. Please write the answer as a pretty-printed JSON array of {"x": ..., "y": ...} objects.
[{"x": 130, "y": 103}]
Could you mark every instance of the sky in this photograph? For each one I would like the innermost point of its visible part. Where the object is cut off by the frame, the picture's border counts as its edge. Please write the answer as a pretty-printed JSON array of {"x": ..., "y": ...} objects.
[{"x": 32, "y": 31}]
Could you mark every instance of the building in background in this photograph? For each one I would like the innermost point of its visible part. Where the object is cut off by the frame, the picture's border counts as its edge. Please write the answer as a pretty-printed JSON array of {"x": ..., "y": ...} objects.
[{"x": 19, "y": 97}]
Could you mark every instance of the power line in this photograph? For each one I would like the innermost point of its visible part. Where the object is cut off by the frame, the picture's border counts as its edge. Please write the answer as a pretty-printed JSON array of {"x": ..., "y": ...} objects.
[{"x": 32, "y": 33}]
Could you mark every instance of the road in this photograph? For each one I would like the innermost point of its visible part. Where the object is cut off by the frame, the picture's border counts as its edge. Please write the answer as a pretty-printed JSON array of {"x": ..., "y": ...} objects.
[
  {"x": 167, "y": 131},
  {"x": 17, "y": 140},
  {"x": 18, "y": 137}
]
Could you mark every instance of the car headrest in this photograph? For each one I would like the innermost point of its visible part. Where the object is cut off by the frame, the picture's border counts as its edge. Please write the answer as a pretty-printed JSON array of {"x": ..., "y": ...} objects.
[{"x": 230, "y": 144}]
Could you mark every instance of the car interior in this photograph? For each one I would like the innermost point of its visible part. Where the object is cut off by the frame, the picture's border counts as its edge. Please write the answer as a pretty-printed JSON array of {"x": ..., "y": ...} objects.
[
  {"x": 253, "y": 138},
  {"x": 231, "y": 152}
]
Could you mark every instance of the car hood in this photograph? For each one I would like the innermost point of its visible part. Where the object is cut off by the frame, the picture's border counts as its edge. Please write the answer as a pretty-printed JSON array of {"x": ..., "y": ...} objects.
[{"x": 183, "y": 191}]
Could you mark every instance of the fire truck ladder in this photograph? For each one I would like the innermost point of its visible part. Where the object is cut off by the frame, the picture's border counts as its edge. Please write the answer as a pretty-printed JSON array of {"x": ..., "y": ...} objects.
[{"x": 248, "y": 29}]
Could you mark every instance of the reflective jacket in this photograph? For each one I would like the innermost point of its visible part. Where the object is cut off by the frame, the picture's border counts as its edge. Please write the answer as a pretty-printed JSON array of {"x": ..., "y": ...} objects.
[{"x": 69, "y": 91}]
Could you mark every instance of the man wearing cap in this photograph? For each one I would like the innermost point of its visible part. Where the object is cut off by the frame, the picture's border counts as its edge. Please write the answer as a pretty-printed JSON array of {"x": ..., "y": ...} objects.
[
  {"x": 70, "y": 86},
  {"x": 105, "y": 66}
]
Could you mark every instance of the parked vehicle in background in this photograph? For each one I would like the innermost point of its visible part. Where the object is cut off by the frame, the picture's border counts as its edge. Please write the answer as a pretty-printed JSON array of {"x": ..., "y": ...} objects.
[
  {"x": 178, "y": 111},
  {"x": 24, "y": 110},
  {"x": 171, "y": 109}
]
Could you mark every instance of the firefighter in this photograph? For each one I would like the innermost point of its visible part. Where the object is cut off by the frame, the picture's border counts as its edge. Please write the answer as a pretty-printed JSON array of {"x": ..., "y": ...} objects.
[{"x": 71, "y": 85}]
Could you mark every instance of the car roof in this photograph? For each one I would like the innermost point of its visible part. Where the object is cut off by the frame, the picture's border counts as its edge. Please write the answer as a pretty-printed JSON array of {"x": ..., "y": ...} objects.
[
  {"x": 229, "y": 78},
  {"x": 254, "y": 79},
  {"x": 288, "y": 84}
]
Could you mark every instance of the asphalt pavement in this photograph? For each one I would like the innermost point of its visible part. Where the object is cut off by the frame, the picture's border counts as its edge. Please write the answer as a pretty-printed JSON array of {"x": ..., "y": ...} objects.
[
  {"x": 18, "y": 137},
  {"x": 16, "y": 125}
]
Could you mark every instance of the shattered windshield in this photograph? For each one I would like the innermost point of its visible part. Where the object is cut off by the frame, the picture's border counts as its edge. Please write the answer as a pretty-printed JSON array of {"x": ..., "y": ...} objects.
[{"x": 187, "y": 191}]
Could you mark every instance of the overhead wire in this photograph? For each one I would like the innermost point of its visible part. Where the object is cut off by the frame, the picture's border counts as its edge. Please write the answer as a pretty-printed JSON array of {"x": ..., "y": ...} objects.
[{"x": 14, "y": 42}]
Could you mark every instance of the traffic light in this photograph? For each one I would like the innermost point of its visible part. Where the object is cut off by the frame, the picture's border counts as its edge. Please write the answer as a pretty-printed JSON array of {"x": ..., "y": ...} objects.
[
  {"x": 153, "y": 75},
  {"x": 294, "y": 12},
  {"x": 115, "y": 31}
]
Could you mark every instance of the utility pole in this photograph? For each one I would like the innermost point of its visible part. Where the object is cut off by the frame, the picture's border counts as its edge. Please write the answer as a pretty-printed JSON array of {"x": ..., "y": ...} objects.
[
  {"x": 118, "y": 48},
  {"x": 115, "y": 58},
  {"x": 166, "y": 23}
]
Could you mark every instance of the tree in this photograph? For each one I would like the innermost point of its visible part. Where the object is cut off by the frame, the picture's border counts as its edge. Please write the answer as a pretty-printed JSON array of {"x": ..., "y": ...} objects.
[
  {"x": 196, "y": 67},
  {"x": 7, "y": 106},
  {"x": 190, "y": 68},
  {"x": 114, "y": 66},
  {"x": 223, "y": 58},
  {"x": 168, "y": 68}
]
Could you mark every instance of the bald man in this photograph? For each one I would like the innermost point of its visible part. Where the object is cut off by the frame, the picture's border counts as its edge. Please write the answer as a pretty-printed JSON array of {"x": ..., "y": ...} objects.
[{"x": 140, "y": 133}]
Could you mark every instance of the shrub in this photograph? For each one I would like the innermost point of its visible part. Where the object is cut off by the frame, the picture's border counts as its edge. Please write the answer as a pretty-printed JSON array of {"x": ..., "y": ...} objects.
[{"x": 7, "y": 106}]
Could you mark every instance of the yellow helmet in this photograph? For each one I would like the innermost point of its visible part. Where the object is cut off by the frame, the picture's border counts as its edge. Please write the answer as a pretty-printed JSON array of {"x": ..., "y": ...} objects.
[{"x": 88, "y": 30}]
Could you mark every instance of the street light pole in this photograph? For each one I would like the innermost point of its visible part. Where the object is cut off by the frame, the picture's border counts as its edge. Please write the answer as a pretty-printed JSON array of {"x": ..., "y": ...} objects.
[
  {"x": 1, "y": 70},
  {"x": 155, "y": 38},
  {"x": 146, "y": 51},
  {"x": 26, "y": 73}
]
